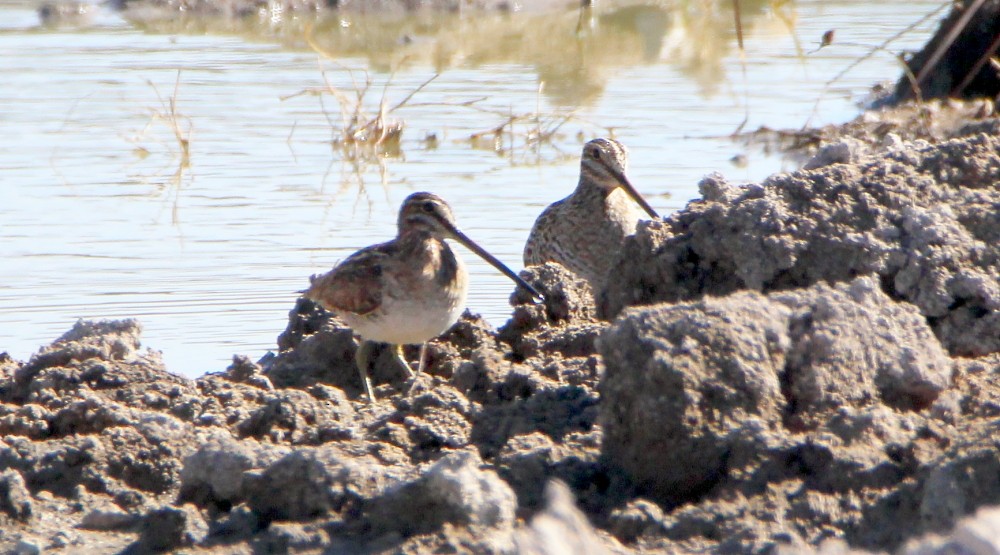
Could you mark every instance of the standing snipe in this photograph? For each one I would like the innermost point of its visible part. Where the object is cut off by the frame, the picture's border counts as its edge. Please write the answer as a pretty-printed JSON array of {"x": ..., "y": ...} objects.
[
  {"x": 585, "y": 230},
  {"x": 407, "y": 290}
]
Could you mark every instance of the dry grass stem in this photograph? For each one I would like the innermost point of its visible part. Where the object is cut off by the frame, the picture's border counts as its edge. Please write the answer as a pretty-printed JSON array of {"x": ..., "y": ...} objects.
[
  {"x": 179, "y": 124},
  {"x": 180, "y": 128},
  {"x": 521, "y": 136},
  {"x": 362, "y": 133}
]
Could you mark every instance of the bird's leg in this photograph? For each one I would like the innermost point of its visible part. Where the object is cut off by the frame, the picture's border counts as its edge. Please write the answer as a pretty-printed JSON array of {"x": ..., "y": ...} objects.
[
  {"x": 420, "y": 367},
  {"x": 398, "y": 349},
  {"x": 362, "y": 358},
  {"x": 422, "y": 363}
]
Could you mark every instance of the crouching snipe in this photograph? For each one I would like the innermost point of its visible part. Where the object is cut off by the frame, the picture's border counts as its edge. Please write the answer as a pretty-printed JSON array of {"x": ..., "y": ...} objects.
[{"x": 586, "y": 230}]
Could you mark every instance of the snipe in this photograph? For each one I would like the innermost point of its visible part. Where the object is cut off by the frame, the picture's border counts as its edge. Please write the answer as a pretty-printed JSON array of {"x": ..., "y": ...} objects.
[
  {"x": 407, "y": 290},
  {"x": 585, "y": 230}
]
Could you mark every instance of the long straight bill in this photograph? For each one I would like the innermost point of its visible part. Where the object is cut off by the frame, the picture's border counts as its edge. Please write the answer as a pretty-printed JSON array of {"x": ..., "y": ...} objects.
[
  {"x": 627, "y": 185},
  {"x": 472, "y": 246}
]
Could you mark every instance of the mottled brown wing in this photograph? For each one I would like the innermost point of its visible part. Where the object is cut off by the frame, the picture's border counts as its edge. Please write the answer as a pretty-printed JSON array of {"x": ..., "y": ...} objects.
[
  {"x": 354, "y": 285},
  {"x": 543, "y": 234}
]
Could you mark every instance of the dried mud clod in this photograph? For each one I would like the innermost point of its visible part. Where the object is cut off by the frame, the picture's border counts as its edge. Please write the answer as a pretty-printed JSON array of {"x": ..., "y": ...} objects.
[
  {"x": 690, "y": 386},
  {"x": 918, "y": 217},
  {"x": 563, "y": 323}
]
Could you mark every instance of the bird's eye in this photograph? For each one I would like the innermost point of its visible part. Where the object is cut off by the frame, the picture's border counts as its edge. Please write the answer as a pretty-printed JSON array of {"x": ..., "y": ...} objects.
[
  {"x": 596, "y": 154},
  {"x": 428, "y": 207}
]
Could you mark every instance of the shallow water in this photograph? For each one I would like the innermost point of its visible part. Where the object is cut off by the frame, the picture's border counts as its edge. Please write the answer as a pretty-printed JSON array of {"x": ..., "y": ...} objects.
[{"x": 100, "y": 217}]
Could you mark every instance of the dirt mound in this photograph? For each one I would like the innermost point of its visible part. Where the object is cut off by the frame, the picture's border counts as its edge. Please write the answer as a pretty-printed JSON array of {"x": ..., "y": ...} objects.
[
  {"x": 795, "y": 402},
  {"x": 793, "y": 373},
  {"x": 921, "y": 217}
]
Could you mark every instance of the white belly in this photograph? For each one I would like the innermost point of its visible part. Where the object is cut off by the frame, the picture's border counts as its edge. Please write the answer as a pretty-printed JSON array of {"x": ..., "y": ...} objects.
[
  {"x": 415, "y": 312},
  {"x": 406, "y": 321}
]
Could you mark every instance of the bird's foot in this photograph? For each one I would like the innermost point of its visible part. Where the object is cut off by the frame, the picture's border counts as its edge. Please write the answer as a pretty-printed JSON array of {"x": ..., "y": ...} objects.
[{"x": 398, "y": 350}]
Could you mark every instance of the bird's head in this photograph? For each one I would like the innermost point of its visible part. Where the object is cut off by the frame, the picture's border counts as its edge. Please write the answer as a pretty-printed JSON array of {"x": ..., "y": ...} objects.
[{"x": 604, "y": 163}]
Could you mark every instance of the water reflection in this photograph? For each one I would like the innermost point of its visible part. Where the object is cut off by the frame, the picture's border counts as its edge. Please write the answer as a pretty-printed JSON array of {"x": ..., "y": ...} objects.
[
  {"x": 574, "y": 52},
  {"x": 67, "y": 14}
]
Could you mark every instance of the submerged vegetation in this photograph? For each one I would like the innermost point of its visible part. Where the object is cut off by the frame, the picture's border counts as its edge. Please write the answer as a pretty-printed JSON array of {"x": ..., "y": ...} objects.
[
  {"x": 165, "y": 115},
  {"x": 366, "y": 129},
  {"x": 362, "y": 131},
  {"x": 522, "y": 136}
]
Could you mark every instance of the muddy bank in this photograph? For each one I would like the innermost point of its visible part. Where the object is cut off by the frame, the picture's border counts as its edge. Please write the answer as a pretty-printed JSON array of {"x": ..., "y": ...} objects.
[{"x": 799, "y": 364}]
